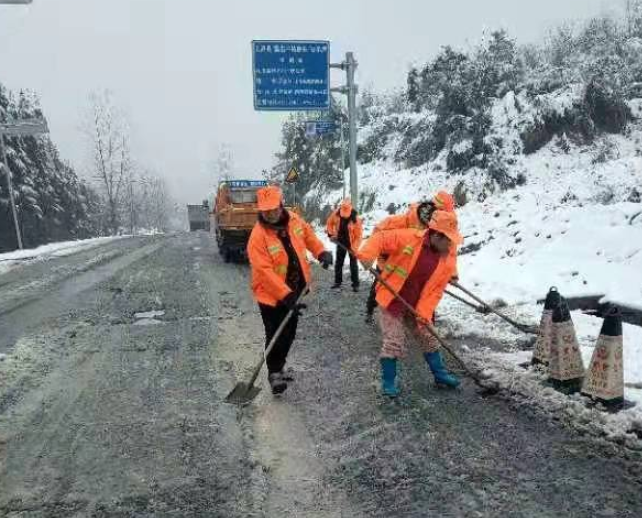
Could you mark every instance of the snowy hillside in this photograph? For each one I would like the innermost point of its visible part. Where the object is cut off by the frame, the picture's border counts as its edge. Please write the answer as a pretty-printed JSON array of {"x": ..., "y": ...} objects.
[{"x": 572, "y": 223}]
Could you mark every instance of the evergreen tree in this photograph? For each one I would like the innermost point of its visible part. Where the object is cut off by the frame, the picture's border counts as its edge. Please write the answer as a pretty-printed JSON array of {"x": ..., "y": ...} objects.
[{"x": 52, "y": 203}]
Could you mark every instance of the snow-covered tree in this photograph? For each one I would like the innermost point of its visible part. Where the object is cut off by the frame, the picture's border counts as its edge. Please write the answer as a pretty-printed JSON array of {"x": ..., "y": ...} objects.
[
  {"x": 52, "y": 203},
  {"x": 107, "y": 131},
  {"x": 318, "y": 159}
]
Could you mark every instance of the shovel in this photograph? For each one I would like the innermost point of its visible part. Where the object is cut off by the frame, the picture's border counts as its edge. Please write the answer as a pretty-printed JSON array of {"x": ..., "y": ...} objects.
[
  {"x": 522, "y": 327},
  {"x": 488, "y": 387},
  {"x": 244, "y": 393}
]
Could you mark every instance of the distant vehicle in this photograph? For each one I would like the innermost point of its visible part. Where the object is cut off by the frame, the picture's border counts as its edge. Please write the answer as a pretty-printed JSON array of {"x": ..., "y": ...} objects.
[
  {"x": 234, "y": 215},
  {"x": 198, "y": 216}
]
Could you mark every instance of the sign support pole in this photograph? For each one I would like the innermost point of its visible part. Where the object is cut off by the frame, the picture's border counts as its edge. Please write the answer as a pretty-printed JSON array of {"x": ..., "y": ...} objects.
[
  {"x": 343, "y": 162},
  {"x": 12, "y": 200},
  {"x": 350, "y": 90},
  {"x": 352, "y": 121}
]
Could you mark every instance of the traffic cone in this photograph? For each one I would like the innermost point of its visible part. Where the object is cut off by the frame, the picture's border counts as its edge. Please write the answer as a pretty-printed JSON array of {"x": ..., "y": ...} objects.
[
  {"x": 566, "y": 369},
  {"x": 605, "y": 380},
  {"x": 543, "y": 341}
]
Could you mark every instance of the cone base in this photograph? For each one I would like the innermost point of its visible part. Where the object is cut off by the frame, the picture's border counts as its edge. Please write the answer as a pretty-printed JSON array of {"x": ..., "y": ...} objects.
[
  {"x": 567, "y": 386},
  {"x": 611, "y": 405}
]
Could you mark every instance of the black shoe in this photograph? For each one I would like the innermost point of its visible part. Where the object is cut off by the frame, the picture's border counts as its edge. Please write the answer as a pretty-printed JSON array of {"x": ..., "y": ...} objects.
[
  {"x": 287, "y": 374},
  {"x": 277, "y": 383},
  {"x": 335, "y": 286},
  {"x": 355, "y": 288},
  {"x": 370, "y": 319}
]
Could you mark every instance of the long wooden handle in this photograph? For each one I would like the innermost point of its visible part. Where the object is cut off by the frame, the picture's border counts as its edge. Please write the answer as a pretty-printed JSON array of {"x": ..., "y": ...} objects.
[
  {"x": 521, "y": 327},
  {"x": 481, "y": 309}
]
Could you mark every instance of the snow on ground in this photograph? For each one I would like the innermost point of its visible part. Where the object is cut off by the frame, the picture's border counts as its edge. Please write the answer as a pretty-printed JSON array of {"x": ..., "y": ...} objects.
[
  {"x": 10, "y": 259},
  {"x": 570, "y": 226}
]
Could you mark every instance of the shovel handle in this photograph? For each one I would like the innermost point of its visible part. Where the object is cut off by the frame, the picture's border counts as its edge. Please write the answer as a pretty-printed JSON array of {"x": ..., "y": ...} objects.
[
  {"x": 501, "y": 315},
  {"x": 276, "y": 336},
  {"x": 480, "y": 309}
]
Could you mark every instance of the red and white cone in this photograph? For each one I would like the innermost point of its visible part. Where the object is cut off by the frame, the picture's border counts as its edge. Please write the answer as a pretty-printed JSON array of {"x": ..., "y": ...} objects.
[
  {"x": 605, "y": 379},
  {"x": 566, "y": 369},
  {"x": 542, "y": 349}
]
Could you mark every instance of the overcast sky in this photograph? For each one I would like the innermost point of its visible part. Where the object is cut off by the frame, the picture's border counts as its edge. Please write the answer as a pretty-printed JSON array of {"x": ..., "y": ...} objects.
[{"x": 181, "y": 69}]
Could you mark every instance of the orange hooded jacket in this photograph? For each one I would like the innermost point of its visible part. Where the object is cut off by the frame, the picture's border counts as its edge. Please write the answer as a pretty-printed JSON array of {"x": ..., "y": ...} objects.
[
  {"x": 269, "y": 260},
  {"x": 408, "y": 220},
  {"x": 355, "y": 228},
  {"x": 403, "y": 248}
]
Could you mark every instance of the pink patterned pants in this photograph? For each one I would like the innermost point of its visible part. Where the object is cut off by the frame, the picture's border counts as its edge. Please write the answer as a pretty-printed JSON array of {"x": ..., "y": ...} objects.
[{"x": 396, "y": 330}]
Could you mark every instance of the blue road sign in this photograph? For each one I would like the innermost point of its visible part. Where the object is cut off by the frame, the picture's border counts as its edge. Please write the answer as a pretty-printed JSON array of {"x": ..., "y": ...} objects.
[
  {"x": 291, "y": 75},
  {"x": 319, "y": 128}
]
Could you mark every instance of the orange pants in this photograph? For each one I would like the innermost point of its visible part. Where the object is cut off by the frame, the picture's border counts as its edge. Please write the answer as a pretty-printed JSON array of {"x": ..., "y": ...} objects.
[{"x": 394, "y": 330}]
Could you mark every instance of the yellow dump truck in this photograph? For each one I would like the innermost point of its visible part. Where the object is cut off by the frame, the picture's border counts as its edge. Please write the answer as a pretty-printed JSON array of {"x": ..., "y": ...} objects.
[{"x": 234, "y": 215}]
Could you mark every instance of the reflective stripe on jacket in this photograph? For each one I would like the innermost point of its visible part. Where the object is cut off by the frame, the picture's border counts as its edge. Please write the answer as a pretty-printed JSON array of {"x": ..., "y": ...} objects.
[
  {"x": 269, "y": 260},
  {"x": 403, "y": 248},
  {"x": 408, "y": 220}
]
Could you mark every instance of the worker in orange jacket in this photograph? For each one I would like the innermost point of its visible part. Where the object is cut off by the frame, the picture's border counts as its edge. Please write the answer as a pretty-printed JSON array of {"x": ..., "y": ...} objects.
[
  {"x": 345, "y": 227},
  {"x": 418, "y": 216},
  {"x": 418, "y": 268},
  {"x": 280, "y": 274}
]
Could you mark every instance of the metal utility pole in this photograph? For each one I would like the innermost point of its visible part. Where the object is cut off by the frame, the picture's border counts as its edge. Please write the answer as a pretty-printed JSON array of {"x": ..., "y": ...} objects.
[
  {"x": 131, "y": 206},
  {"x": 350, "y": 90},
  {"x": 12, "y": 200},
  {"x": 343, "y": 161},
  {"x": 18, "y": 129},
  {"x": 352, "y": 123}
]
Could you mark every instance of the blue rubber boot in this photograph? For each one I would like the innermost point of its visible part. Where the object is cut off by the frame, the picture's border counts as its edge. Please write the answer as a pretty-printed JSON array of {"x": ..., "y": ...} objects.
[
  {"x": 388, "y": 375},
  {"x": 442, "y": 376}
]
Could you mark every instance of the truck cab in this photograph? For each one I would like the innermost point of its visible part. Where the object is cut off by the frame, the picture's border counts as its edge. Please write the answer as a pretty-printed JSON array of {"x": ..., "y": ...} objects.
[{"x": 234, "y": 215}]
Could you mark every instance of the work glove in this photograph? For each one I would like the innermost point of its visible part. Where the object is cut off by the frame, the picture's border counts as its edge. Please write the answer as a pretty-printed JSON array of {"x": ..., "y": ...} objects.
[
  {"x": 367, "y": 264},
  {"x": 290, "y": 302},
  {"x": 326, "y": 260}
]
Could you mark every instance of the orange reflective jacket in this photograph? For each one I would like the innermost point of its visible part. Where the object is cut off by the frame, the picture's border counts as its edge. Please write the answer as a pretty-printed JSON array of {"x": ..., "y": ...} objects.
[
  {"x": 355, "y": 229},
  {"x": 269, "y": 260},
  {"x": 403, "y": 248},
  {"x": 408, "y": 220}
]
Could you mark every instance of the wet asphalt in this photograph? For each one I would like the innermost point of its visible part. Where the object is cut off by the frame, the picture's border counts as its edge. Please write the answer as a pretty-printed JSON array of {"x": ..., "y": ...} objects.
[{"x": 107, "y": 413}]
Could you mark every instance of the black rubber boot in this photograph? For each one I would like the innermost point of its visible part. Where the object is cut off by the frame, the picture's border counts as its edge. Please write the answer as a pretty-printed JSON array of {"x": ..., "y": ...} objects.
[{"x": 277, "y": 383}]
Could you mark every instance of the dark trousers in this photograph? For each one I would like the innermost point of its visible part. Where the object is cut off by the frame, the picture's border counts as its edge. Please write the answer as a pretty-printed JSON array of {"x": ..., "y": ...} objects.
[
  {"x": 371, "y": 305},
  {"x": 272, "y": 318},
  {"x": 338, "y": 267}
]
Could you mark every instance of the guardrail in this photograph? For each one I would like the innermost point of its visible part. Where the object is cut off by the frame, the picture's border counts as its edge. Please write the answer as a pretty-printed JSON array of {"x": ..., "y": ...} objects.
[{"x": 596, "y": 305}]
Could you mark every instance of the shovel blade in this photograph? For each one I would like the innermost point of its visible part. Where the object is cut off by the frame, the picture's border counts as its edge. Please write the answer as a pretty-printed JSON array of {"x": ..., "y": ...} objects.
[{"x": 242, "y": 394}]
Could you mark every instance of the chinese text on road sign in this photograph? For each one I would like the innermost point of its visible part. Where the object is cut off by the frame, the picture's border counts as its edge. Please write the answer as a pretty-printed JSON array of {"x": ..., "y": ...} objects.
[
  {"x": 319, "y": 128},
  {"x": 291, "y": 75}
]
